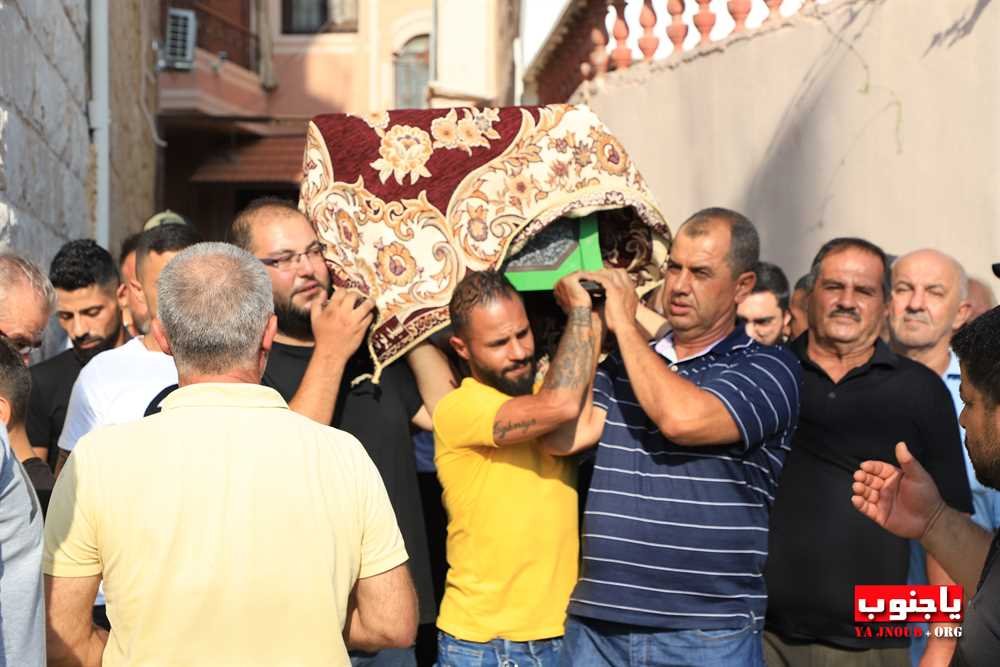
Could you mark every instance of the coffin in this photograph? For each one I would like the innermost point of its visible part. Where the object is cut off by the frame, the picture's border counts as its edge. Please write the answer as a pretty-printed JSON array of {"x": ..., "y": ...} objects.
[{"x": 408, "y": 201}]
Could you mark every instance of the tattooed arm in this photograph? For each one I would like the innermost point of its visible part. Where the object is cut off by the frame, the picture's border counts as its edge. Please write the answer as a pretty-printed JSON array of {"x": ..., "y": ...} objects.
[{"x": 567, "y": 383}]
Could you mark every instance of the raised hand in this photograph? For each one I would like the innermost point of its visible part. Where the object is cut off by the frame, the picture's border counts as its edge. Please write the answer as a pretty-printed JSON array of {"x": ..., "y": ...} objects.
[
  {"x": 341, "y": 323},
  {"x": 620, "y": 301},
  {"x": 905, "y": 501},
  {"x": 570, "y": 294}
]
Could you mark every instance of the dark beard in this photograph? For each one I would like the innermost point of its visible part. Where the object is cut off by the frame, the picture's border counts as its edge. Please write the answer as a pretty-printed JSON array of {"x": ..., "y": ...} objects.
[
  {"x": 295, "y": 322},
  {"x": 106, "y": 344},
  {"x": 500, "y": 382}
]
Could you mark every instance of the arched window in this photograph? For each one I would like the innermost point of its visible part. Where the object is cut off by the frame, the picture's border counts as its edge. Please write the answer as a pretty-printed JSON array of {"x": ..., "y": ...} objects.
[
  {"x": 412, "y": 69},
  {"x": 307, "y": 17}
]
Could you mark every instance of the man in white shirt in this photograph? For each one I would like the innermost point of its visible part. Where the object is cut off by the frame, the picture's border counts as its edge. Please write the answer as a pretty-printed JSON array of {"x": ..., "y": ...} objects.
[{"x": 118, "y": 385}]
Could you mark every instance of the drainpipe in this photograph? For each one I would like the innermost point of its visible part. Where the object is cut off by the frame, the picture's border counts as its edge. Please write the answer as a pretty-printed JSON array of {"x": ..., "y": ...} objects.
[{"x": 100, "y": 118}]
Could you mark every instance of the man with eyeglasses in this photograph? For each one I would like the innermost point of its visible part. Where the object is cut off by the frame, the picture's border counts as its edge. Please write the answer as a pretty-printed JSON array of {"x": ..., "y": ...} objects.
[
  {"x": 316, "y": 365},
  {"x": 26, "y": 300}
]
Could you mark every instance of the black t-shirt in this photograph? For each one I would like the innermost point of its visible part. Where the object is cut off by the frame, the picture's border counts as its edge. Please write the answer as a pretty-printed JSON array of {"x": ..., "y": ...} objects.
[
  {"x": 379, "y": 416},
  {"x": 820, "y": 547},
  {"x": 51, "y": 383},
  {"x": 980, "y": 641}
]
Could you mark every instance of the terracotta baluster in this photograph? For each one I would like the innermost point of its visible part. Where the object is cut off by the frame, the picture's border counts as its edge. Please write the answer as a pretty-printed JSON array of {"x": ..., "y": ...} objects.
[
  {"x": 703, "y": 21},
  {"x": 677, "y": 30},
  {"x": 621, "y": 56},
  {"x": 739, "y": 9},
  {"x": 599, "y": 55},
  {"x": 649, "y": 42},
  {"x": 773, "y": 7}
]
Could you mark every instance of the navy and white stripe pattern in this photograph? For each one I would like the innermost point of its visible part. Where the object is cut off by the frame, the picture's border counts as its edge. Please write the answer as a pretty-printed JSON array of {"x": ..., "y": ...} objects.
[{"x": 676, "y": 537}]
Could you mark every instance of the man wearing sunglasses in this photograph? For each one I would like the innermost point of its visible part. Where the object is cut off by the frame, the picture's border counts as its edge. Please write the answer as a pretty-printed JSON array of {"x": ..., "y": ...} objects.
[{"x": 26, "y": 300}]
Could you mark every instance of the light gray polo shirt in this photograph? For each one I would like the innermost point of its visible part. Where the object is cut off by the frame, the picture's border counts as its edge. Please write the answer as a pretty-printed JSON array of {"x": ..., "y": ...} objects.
[{"x": 22, "y": 605}]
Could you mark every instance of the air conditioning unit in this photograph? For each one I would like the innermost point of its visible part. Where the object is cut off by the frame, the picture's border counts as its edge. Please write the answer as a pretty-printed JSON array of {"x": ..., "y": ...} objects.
[{"x": 179, "y": 41}]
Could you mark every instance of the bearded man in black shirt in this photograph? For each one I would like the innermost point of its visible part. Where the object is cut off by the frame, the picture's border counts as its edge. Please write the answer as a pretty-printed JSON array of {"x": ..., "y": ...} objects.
[
  {"x": 906, "y": 501},
  {"x": 86, "y": 283},
  {"x": 317, "y": 366}
]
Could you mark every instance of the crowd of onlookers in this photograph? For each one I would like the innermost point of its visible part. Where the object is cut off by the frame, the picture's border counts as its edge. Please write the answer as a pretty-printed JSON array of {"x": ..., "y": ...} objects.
[{"x": 698, "y": 476}]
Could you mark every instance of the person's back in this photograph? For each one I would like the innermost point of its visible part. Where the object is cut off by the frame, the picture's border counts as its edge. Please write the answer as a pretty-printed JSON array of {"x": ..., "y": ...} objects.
[
  {"x": 241, "y": 547},
  {"x": 227, "y": 529}
]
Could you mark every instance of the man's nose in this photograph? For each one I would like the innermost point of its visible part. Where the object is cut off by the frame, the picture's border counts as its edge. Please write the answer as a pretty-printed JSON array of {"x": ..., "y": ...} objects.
[
  {"x": 917, "y": 301},
  {"x": 79, "y": 327}
]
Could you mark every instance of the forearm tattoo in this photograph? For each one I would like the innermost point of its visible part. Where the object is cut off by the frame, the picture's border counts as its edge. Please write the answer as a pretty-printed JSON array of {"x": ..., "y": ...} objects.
[
  {"x": 501, "y": 430},
  {"x": 571, "y": 367}
]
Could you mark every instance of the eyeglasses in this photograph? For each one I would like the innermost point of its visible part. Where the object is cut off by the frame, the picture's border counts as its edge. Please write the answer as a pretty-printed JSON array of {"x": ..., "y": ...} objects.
[
  {"x": 289, "y": 259},
  {"x": 23, "y": 345}
]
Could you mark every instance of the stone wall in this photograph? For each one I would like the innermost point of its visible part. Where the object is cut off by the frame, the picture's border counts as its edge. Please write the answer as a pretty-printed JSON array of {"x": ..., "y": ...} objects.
[
  {"x": 46, "y": 188},
  {"x": 875, "y": 118}
]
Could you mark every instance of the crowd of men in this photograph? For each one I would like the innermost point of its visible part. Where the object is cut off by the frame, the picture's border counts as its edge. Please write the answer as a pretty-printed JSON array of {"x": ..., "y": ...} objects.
[{"x": 698, "y": 478}]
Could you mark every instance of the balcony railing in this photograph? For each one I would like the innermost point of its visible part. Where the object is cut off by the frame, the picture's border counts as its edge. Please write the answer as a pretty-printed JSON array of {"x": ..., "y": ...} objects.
[
  {"x": 595, "y": 36},
  {"x": 218, "y": 33}
]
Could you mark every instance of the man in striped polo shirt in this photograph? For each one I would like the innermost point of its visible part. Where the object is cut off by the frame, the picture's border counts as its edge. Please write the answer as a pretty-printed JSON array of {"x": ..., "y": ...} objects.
[{"x": 692, "y": 433}]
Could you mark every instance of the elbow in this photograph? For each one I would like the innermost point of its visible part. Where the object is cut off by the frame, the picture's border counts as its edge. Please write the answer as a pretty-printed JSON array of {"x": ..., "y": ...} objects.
[
  {"x": 678, "y": 431},
  {"x": 402, "y": 634}
]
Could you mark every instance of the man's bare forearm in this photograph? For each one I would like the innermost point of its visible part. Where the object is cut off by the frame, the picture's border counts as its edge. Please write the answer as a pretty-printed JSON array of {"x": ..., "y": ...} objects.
[
  {"x": 87, "y": 653},
  {"x": 959, "y": 546},
  {"x": 316, "y": 396}
]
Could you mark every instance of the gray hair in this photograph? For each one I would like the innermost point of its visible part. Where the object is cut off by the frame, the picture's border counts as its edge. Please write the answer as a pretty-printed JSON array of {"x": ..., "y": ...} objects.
[
  {"x": 842, "y": 243},
  {"x": 214, "y": 303},
  {"x": 744, "y": 243},
  {"x": 16, "y": 270}
]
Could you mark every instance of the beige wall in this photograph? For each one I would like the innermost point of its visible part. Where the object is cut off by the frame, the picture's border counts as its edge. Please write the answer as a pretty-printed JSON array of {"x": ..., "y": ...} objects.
[
  {"x": 133, "y": 151},
  {"x": 879, "y": 120}
]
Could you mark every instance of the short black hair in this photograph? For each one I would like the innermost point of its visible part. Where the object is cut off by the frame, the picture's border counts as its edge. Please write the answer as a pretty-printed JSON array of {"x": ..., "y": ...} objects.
[
  {"x": 770, "y": 278},
  {"x": 128, "y": 246},
  {"x": 977, "y": 345},
  {"x": 475, "y": 289},
  {"x": 165, "y": 238},
  {"x": 82, "y": 263},
  {"x": 842, "y": 243},
  {"x": 744, "y": 242},
  {"x": 15, "y": 382},
  {"x": 803, "y": 283},
  {"x": 241, "y": 231}
]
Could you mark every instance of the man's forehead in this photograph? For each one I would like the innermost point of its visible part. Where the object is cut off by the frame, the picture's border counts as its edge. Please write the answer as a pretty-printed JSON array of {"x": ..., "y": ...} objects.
[
  {"x": 851, "y": 263},
  {"x": 83, "y": 298},
  {"x": 275, "y": 231},
  {"x": 925, "y": 269},
  {"x": 709, "y": 244}
]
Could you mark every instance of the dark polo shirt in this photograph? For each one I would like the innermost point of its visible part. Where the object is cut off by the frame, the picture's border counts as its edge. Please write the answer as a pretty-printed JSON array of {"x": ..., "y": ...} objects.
[{"x": 820, "y": 546}]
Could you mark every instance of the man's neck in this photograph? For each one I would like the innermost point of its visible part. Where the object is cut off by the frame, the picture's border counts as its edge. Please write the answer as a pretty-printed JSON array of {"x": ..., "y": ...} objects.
[
  {"x": 19, "y": 443},
  {"x": 836, "y": 359},
  {"x": 294, "y": 341},
  {"x": 149, "y": 342},
  {"x": 937, "y": 357},
  {"x": 689, "y": 345},
  {"x": 123, "y": 337},
  {"x": 235, "y": 376}
]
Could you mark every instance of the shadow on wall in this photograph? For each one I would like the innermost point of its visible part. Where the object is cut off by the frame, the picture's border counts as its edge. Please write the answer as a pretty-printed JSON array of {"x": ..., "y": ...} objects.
[
  {"x": 788, "y": 193},
  {"x": 958, "y": 30}
]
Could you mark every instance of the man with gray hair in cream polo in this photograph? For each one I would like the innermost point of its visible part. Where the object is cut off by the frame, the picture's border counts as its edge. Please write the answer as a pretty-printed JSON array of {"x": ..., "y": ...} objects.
[{"x": 270, "y": 535}]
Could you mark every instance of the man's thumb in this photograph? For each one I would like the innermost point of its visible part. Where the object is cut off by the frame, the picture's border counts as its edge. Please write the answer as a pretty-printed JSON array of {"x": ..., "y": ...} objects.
[{"x": 905, "y": 458}]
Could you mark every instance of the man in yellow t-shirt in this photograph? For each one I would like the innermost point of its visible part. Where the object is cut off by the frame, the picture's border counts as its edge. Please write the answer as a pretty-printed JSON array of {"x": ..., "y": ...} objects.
[
  {"x": 513, "y": 542},
  {"x": 228, "y": 530}
]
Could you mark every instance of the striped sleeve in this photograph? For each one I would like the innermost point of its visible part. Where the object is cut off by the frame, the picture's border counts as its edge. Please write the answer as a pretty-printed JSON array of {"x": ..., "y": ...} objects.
[{"x": 761, "y": 393}]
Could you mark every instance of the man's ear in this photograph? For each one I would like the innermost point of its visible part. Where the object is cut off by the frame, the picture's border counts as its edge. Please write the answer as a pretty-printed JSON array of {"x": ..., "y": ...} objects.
[
  {"x": 270, "y": 331},
  {"x": 6, "y": 411},
  {"x": 962, "y": 316},
  {"x": 137, "y": 290},
  {"x": 160, "y": 334},
  {"x": 461, "y": 349},
  {"x": 744, "y": 285}
]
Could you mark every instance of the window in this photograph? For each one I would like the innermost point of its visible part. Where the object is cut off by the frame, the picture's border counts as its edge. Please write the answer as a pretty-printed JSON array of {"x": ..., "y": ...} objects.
[
  {"x": 308, "y": 17},
  {"x": 412, "y": 68}
]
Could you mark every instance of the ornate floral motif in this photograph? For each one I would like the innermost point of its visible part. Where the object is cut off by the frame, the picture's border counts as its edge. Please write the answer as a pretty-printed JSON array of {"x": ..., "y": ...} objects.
[
  {"x": 348, "y": 232},
  {"x": 377, "y": 120},
  {"x": 611, "y": 156},
  {"x": 396, "y": 265},
  {"x": 472, "y": 130},
  {"x": 405, "y": 151}
]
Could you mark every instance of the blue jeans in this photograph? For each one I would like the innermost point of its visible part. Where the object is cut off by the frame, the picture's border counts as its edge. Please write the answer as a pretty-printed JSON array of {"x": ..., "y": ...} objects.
[
  {"x": 593, "y": 643},
  {"x": 387, "y": 657},
  {"x": 454, "y": 652}
]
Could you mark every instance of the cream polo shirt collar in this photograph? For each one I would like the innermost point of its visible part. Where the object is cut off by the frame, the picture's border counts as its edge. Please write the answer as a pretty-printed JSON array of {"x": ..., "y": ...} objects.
[{"x": 224, "y": 394}]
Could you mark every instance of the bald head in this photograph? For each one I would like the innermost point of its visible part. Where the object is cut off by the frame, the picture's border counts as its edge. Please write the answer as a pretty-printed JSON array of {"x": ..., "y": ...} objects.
[
  {"x": 928, "y": 301},
  {"x": 981, "y": 298},
  {"x": 262, "y": 210}
]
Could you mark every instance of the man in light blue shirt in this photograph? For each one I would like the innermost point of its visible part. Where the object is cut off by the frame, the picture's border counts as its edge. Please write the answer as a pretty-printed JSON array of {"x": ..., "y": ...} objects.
[{"x": 929, "y": 304}]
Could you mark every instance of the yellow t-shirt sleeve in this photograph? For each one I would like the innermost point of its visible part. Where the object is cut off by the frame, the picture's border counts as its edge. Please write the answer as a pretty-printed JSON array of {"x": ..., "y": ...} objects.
[
  {"x": 70, "y": 531},
  {"x": 465, "y": 417},
  {"x": 382, "y": 545}
]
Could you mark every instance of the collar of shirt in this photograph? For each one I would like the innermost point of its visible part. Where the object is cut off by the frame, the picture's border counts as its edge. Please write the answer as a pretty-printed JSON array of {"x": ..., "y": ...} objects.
[
  {"x": 224, "y": 394},
  {"x": 883, "y": 356},
  {"x": 736, "y": 339},
  {"x": 954, "y": 370}
]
